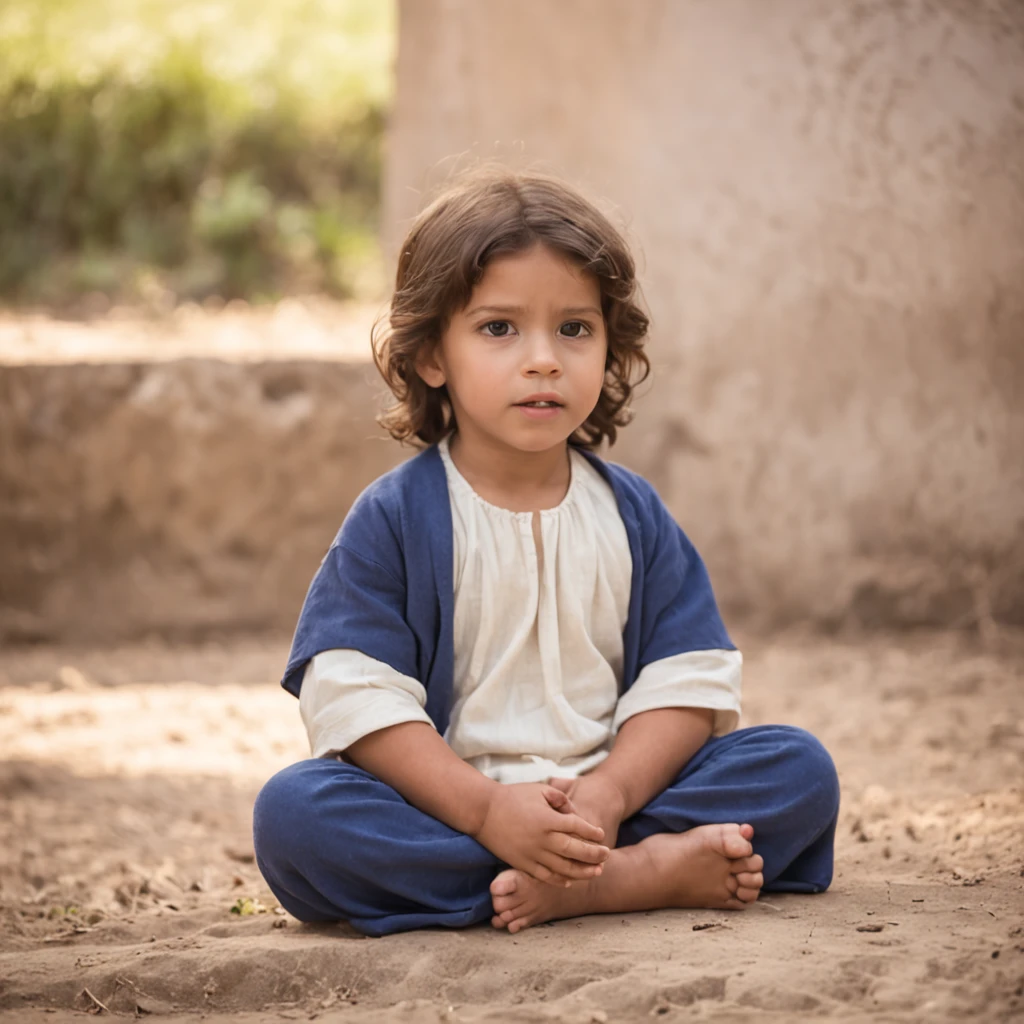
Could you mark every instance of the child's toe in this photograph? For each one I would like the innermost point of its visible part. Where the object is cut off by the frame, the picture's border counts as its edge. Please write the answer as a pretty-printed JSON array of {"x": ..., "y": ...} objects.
[
  {"x": 751, "y": 864},
  {"x": 504, "y": 884},
  {"x": 734, "y": 844},
  {"x": 750, "y": 879}
]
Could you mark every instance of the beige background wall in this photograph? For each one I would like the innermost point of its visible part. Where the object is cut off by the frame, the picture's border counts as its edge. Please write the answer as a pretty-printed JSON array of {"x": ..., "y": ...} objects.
[
  {"x": 829, "y": 202},
  {"x": 187, "y": 497}
]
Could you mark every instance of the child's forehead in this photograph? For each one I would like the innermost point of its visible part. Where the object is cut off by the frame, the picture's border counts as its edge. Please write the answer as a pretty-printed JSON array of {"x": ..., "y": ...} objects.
[{"x": 537, "y": 272}]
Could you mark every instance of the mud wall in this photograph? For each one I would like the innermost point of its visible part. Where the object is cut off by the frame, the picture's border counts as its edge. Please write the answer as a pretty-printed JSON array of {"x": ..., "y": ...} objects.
[
  {"x": 829, "y": 203},
  {"x": 184, "y": 498}
]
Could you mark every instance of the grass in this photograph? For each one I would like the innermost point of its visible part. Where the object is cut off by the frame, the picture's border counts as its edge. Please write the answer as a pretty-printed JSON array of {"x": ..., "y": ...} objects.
[{"x": 192, "y": 148}]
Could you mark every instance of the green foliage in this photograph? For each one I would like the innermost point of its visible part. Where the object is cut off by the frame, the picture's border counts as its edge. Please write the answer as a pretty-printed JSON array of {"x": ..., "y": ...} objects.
[
  {"x": 200, "y": 148},
  {"x": 247, "y": 905},
  {"x": 62, "y": 912}
]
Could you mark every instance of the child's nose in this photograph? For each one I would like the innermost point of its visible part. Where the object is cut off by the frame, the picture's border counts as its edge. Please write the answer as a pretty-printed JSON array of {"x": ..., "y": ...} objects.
[{"x": 541, "y": 356}]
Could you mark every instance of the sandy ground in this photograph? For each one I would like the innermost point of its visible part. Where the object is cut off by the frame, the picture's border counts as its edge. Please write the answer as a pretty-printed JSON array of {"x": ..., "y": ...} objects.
[{"x": 125, "y": 849}]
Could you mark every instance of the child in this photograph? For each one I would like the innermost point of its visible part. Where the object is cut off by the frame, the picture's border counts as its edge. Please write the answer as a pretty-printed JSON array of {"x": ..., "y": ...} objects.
[{"x": 520, "y": 697}]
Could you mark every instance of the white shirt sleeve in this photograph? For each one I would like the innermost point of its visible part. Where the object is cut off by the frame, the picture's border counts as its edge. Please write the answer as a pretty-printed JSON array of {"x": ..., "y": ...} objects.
[
  {"x": 346, "y": 695},
  {"x": 696, "y": 679}
]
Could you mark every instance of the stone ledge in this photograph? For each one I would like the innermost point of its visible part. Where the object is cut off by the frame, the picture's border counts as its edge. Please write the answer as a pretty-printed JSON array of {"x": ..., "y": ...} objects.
[{"x": 183, "y": 497}]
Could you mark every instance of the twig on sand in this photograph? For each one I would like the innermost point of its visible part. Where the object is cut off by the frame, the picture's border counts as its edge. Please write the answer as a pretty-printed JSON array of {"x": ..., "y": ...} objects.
[
  {"x": 120, "y": 981},
  {"x": 98, "y": 1006},
  {"x": 64, "y": 936}
]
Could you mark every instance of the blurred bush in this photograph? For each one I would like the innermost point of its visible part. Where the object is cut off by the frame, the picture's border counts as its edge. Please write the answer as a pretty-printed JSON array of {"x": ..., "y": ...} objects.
[{"x": 180, "y": 149}]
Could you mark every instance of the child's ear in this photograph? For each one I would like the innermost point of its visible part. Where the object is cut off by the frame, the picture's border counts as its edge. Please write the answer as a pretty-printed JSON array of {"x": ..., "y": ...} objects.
[{"x": 428, "y": 366}]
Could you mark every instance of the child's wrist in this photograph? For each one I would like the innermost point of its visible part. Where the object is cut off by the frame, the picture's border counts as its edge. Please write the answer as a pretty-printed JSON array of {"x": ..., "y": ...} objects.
[
  {"x": 612, "y": 793},
  {"x": 477, "y": 805}
]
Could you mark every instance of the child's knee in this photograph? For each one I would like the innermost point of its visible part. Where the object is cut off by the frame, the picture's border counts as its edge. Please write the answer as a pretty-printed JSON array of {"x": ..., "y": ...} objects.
[
  {"x": 281, "y": 814},
  {"x": 802, "y": 768},
  {"x": 817, "y": 769}
]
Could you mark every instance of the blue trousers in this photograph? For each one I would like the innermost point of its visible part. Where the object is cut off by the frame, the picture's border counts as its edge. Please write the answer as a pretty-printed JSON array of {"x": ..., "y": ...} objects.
[{"x": 335, "y": 843}]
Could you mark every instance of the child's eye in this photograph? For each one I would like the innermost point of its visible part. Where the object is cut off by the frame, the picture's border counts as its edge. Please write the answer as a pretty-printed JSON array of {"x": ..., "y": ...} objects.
[
  {"x": 497, "y": 328},
  {"x": 575, "y": 329}
]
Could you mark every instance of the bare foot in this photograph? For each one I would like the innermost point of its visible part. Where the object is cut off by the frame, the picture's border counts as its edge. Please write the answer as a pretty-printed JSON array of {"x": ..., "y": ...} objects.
[{"x": 713, "y": 866}]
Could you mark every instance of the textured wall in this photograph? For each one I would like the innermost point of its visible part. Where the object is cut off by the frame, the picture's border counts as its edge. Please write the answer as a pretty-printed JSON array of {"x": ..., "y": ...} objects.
[
  {"x": 829, "y": 201},
  {"x": 184, "y": 497}
]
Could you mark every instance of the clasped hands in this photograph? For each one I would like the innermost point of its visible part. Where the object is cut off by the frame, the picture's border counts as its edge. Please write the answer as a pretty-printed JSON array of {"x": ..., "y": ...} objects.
[{"x": 558, "y": 832}]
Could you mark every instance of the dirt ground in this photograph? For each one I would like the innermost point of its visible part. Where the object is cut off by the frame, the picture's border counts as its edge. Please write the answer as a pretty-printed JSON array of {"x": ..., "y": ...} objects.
[{"x": 125, "y": 854}]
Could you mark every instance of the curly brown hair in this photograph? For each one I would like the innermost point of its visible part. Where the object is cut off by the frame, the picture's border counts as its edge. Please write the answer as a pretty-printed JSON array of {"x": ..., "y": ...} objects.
[{"x": 485, "y": 214}]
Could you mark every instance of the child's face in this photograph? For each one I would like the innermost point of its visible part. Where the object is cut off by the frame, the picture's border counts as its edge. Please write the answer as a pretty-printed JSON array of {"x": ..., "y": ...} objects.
[{"x": 533, "y": 325}]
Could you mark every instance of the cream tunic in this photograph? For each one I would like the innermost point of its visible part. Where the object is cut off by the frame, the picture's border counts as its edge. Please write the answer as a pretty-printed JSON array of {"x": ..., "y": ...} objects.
[{"x": 541, "y": 600}]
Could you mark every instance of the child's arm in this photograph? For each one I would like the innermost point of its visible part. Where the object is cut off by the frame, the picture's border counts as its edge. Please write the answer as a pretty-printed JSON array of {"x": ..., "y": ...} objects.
[
  {"x": 676, "y": 704},
  {"x": 650, "y": 750},
  {"x": 533, "y": 827}
]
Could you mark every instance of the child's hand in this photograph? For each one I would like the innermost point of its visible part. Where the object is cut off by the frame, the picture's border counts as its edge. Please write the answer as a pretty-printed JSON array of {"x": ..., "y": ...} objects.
[
  {"x": 595, "y": 799},
  {"x": 534, "y": 827}
]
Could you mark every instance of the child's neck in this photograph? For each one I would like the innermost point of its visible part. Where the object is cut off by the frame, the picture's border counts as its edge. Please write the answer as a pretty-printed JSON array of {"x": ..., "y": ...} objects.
[{"x": 517, "y": 480}]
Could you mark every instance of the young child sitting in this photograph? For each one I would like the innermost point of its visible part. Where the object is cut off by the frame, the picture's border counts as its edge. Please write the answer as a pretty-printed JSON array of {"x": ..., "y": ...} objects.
[{"x": 520, "y": 696}]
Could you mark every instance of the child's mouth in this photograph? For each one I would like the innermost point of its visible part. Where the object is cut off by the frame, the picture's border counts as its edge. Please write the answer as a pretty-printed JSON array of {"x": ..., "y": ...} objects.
[{"x": 540, "y": 410}]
